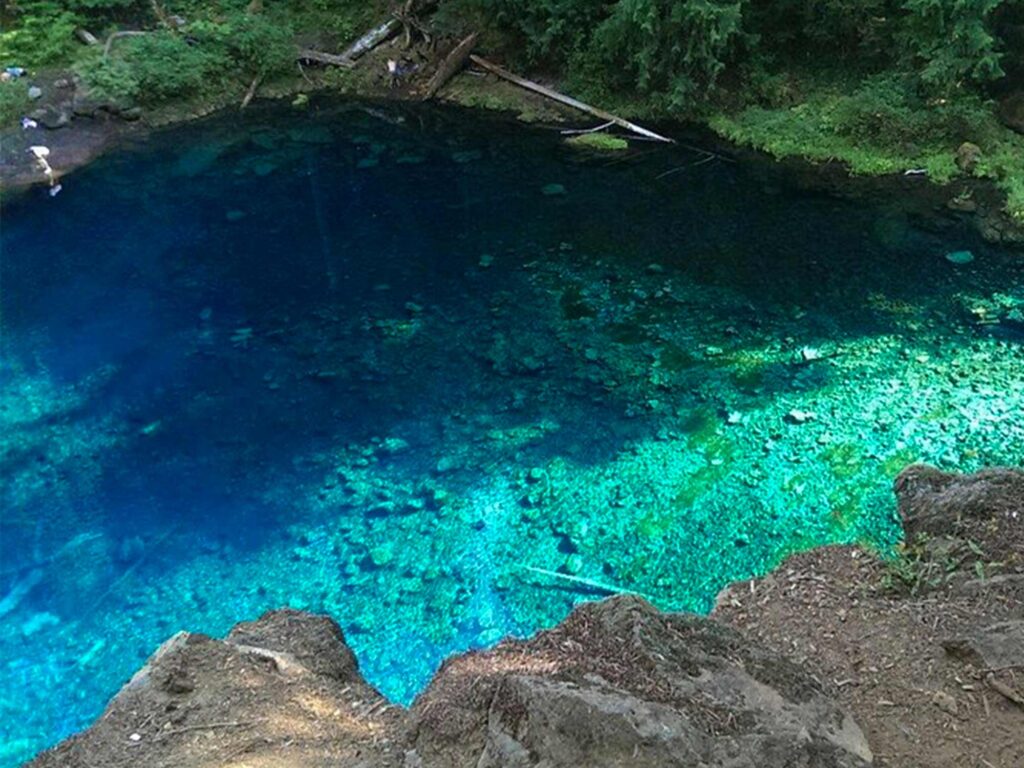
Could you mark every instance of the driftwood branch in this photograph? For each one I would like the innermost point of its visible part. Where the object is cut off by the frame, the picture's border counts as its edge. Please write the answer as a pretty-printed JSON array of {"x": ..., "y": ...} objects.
[
  {"x": 581, "y": 131},
  {"x": 249, "y": 94},
  {"x": 86, "y": 36},
  {"x": 320, "y": 57},
  {"x": 117, "y": 35},
  {"x": 451, "y": 66},
  {"x": 1004, "y": 690},
  {"x": 568, "y": 101},
  {"x": 369, "y": 41}
]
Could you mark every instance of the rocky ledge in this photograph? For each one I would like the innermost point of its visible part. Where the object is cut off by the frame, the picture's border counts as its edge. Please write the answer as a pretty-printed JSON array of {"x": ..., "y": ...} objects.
[{"x": 927, "y": 657}]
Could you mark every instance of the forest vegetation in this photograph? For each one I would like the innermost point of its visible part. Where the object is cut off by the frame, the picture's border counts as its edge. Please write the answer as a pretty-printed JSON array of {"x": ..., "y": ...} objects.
[{"x": 883, "y": 85}]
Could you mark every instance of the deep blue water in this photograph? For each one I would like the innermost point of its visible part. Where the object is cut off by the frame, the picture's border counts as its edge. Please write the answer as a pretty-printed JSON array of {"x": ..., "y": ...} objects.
[{"x": 382, "y": 362}]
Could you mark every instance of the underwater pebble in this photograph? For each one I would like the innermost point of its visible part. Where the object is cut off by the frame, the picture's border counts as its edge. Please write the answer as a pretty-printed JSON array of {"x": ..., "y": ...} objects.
[
  {"x": 551, "y": 190},
  {"x": 797, "y": 416},
  {"x": 960, "y": 257}
]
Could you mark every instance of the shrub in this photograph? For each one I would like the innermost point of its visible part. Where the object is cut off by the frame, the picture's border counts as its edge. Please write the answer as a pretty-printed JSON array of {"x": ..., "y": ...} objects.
[
  {"x": 676, "y": 48},
  {"x": 111, "y": 78},
  {"x": 13, "y": 101},
  {"x": 166, "y": 66},
  {"x": 43, "y": 34}
]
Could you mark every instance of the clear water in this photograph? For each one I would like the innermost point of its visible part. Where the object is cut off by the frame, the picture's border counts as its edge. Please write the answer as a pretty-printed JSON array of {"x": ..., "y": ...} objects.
[{"x": 371, "y": 362}]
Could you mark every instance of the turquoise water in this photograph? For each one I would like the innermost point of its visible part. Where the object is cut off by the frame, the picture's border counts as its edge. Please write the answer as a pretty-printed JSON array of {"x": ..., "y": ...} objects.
[{"x": 442, "y": 378}]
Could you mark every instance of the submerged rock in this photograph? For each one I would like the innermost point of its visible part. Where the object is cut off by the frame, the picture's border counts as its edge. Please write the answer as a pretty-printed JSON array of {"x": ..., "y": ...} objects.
[
  {"x": 616, "y": 684},
  {"x": 959, "y": 257}
]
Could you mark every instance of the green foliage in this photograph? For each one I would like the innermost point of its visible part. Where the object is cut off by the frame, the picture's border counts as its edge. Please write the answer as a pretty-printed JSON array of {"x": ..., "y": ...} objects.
[
  {"x": 673, "y": 47},
  {"x": 679, "y": 49},
  {"x": 165, "y": 66},
  {"x": 112, "y": 78},
  {"x": 952, "y": 42},
  {"x": 255, "y": 43},
  {"x": 13, "y": 101},
  {"x": 43, "y": 34}
]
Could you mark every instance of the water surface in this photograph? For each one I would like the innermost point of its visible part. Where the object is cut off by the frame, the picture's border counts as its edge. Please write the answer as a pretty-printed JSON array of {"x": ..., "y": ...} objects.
[{"x": 441, "y": 378}]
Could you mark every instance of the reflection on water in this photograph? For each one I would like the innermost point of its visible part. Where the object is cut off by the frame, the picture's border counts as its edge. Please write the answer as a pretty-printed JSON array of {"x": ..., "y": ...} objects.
[{"x": 441, "y": 379}]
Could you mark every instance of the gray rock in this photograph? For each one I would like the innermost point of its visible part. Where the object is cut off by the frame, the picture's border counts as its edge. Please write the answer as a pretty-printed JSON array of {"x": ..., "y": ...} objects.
[
  {"x": 35, "y": 92},
  {"x": 968, "y": 155},
  {"x": 619, "y": 685},
  {"x": 994, "y": 647},
  {"x": 316, "y": 642},
  {"x": 52, "y": 117}
]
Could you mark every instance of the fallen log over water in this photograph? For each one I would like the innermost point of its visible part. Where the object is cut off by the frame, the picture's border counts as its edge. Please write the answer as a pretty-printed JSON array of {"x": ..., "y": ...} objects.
[
  {"x": 529, "y": 85},
  {"x": 451, "y": 65}
]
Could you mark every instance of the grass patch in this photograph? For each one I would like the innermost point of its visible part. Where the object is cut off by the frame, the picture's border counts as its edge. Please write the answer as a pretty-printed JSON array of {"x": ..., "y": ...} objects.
[
  {"x": 878, "y": 126},
  {"x": 600, "y": 142}
]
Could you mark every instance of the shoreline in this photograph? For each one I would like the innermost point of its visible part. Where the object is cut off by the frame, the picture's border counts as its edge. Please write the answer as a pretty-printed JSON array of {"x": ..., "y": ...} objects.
[
  {"x": 834, "y": 659},
  {"x": 97, "y": 130}
]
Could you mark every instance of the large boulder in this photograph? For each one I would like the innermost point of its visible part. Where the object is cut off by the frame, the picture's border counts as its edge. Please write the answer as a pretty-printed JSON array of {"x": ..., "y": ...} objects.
[
  {"x": 202, "y": 702},
  {"x": 985, "y": 509},
  {"x": 619, "y": 684},
  {"x": 315, "y": 642}
]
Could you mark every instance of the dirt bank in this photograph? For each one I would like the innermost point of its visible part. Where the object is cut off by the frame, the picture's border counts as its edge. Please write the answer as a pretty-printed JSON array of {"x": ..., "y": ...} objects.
[{"x": 835, "y": 660}]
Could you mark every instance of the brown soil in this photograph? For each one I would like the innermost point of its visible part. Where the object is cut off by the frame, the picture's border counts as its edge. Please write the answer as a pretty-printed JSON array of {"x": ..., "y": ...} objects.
[{"x": 849, "y": 618}]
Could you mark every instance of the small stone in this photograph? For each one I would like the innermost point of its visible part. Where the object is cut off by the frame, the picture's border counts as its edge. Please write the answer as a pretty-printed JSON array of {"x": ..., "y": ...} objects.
[
  {"x": 945, "y": 702},
  {"x": 809, "y": 354},
  {"x": 960, "y": 257},
  {"x": 486, "y": 260},
  {"x": 35, "y": 92},
  {"x": 382, "y": 555},
  {"x": 967, "y": 156},
  {"x": 713, "y": 351},
  {"x": 797, "y": 416},
  {"x": 552, "y": 190},
  {"x": 734, "y": 418},
  {"x": 135, "y": 737}
]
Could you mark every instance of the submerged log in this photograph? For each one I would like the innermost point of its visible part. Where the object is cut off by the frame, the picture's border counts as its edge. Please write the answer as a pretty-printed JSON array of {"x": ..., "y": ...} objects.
[
  {"x": 451, "y": 65},
  {"x": 568, "y": 101}
]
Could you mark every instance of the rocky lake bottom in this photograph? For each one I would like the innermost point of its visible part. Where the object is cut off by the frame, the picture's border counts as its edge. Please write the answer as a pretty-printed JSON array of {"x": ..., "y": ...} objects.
[{"x": 442, "y": 378}]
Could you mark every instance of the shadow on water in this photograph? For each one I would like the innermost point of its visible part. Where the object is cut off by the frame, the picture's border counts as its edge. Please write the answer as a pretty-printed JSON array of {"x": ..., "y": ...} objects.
[{"x": 293, "y": 357}]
